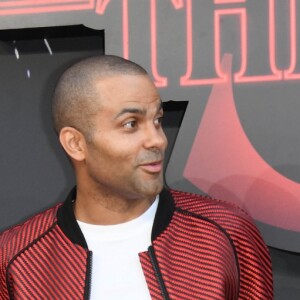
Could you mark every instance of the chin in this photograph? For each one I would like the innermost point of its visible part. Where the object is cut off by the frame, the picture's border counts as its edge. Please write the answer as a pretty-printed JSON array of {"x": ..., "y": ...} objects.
[
  {"x": 154, "y": 190},
  {"x": 147, "y": 187}
]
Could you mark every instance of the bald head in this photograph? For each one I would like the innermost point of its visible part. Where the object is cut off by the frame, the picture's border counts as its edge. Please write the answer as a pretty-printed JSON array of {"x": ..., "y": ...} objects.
[{"x": 75, "y": 98}]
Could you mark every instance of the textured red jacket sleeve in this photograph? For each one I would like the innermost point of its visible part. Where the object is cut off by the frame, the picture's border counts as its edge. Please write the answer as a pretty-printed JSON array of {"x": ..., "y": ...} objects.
[{"x": 252, "y": 254}]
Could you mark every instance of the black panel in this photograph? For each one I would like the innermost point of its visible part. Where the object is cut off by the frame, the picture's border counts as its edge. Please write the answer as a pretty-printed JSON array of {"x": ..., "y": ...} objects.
[{"x": 34, "y": 170}]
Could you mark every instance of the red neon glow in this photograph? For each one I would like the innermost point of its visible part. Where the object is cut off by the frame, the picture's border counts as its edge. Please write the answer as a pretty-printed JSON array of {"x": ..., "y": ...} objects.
[
  {"x": 11, "y": 7},
  {"x": 19, "y": 3},
  {"x": 186, "y": 80},
  {"x": 42, "y": 6},
  {"x": 288, "y": 74},
  {"x": 229, "y": 1},
  {"x": 239, "y": 77},
  {"x": 178, "y": 3},
  {"x": 159, "y": 80},
  {"x": 276, "y": 73},
  {"x": 241, "y": 12},
  {"x": 224, "y": 164},
  {"x": 101, "y": 6},
  {"x": 125, "y": 29}
]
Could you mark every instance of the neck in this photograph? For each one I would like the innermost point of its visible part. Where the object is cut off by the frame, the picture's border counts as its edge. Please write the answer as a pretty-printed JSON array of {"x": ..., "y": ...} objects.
[{"x": 99, "y": 209}]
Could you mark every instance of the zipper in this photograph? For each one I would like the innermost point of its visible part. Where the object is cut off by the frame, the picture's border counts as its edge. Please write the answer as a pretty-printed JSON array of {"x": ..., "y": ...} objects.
[
  {"x": 88, "y": 283},
  {"x": 158, "y": 275}
]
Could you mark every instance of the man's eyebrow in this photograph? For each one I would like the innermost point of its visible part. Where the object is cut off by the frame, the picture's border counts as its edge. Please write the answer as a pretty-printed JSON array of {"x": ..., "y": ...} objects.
[
  {"x": 133, "y": 110},
  {"x": 129, "y": 110}
]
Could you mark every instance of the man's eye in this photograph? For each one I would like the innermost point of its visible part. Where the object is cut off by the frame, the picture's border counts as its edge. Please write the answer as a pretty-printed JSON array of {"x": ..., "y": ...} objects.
[
  {"x": 130, "y": 124},
  {"x": 158, "y": 121}
]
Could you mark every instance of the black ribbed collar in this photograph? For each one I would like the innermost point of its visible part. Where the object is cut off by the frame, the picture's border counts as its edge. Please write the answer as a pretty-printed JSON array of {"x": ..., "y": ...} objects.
[{"x": 67, "y": 221}]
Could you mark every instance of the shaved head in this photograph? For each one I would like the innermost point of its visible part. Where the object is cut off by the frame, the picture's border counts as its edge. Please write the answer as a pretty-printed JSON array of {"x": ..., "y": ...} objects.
[{"x": 76, "y": 99}]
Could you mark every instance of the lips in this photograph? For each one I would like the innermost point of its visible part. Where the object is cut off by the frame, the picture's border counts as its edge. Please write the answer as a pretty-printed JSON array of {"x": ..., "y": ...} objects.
[{"x": 153, "y": 167}]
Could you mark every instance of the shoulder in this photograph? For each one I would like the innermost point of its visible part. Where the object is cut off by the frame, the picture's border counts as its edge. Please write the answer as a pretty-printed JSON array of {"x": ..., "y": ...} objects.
[
  {"x": 207, "y": 206},
  {"x": 16, "y": 238},
  {"x": 252, "y": 255},
  {"x": 235, "y": 221}
]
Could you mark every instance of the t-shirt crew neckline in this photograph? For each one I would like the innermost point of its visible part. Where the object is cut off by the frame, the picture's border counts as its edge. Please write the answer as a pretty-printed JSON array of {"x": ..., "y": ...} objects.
[{"x": 122, "y": 230}]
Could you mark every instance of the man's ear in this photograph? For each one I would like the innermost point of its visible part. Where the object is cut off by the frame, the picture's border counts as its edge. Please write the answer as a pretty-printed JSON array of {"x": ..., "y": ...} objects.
[{"x": 73, "y": 142}]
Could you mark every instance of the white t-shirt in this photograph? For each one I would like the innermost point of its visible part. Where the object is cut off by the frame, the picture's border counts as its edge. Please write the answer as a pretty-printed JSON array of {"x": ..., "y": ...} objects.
[{"x": 116, "y": 269}]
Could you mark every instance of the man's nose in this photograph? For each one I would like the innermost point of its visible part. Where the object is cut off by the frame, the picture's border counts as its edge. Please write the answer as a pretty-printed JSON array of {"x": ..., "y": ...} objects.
[{"x": 155, "y": 138}]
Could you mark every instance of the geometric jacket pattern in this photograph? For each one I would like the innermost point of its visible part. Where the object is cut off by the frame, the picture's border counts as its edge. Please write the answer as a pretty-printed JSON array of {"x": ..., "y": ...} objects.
[{"x": 201, "y": 248}]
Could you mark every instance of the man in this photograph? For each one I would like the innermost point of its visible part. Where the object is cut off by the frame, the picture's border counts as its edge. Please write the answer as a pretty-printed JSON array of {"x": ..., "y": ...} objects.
[{"x": 120, "y": 234}]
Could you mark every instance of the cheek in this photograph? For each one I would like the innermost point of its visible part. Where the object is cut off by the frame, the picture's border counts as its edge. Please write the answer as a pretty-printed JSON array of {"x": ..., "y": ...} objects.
[
  {"x": 124, "y": 147},
  {"x": 114, "y": 157},
  {"x": 114, "y": 149}
]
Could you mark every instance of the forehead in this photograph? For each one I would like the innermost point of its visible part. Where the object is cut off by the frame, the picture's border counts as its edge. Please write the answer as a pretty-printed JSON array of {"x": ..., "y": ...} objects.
[{"x": 122, "y": 89}]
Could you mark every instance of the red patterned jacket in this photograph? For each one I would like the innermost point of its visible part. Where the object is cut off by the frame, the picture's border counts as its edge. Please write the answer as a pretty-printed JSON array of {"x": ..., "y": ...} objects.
[{"x": 201, "y": 249}]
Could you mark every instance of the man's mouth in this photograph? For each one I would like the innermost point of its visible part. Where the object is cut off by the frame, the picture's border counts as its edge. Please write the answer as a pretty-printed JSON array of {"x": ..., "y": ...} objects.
[{"x": 153, "y": 167}]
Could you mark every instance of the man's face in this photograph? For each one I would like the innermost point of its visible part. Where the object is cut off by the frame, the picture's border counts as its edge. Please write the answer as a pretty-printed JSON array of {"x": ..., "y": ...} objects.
[{"x": 125, "y": 156}]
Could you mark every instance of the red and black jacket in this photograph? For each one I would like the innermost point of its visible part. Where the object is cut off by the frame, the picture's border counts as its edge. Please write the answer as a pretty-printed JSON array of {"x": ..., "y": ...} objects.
[{"x": 201, "y": 249}]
